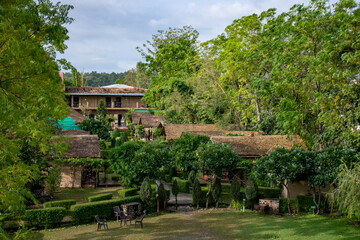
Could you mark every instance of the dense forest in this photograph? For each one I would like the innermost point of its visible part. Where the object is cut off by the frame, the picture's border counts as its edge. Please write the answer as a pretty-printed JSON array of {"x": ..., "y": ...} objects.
[{"x": 93, "y": 79}]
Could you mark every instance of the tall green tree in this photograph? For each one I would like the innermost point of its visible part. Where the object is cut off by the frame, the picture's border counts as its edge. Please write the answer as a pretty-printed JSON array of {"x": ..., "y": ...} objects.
[{"x": 31, "y": 96}]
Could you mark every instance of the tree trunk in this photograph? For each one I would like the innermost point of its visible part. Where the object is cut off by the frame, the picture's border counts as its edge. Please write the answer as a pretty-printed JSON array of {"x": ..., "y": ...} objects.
[
  {"x": 317, "y": 203},
  {"x": 288, "y": 197}
]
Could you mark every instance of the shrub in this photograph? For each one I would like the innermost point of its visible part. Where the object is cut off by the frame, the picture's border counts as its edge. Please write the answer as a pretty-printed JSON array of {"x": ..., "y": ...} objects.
[
  {"x": 196, "y": 192},
  {"x": 235, "y": 190},
  {"x": 127, "y": 192},
  {"x": 84, "y": 213},
  {"x": 202, "y": 199},
  {"x": 100, "y": 197},
  {"x": 283, "y": 205},
  {"x": 226, "y": 187},
  {"x": 305, "y": 202},
  {"x": 146, "y": 191},
  {"x": 115, "y": 178},
  {"x": 268, "y": 192},
  {"x": 46, "y": 217},
  {"x": 53, "y": 180},
  {"x": 183, "y": 185},
  {"x": 168, "y": 178},
  {"x": 63, "y": 203}
]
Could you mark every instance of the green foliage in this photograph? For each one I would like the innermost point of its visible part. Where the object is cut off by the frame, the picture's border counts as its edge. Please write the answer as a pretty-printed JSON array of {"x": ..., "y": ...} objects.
[
  {"x": 123, "y": 193},
  {"x": 175, "y": 188},
  {"x": 146, "y": 191},
  {"x": 226, "y": 187},
  {"x": 53, "y": 180},
  {"x": 235, "y": 190},
  {"x": 101, "y": 111},
  {"x": 84, "y": 213},
  {"x": 139, "y": 130},
  {"x": 31, "y": 96},
  {"x": 347, "y": 193},
  {"x": 251, "y": 191},
  {"x": 269, "y": 192},
  {"x": 95, "y": 127},
  {"x": 192, "y": 176},
  {"x": 135, "y": 160},
  {"x": 196, "y": 192},
  {"x": 217, "y": 157},
  {"x": 283, "y": 205},
  {"x": 234, "y": 134},
  {"x": 161, "y": 194},
  {"x": 183, "y": 184},
  {"x": 63, "y": 203},
  {"x": 202, "y": 198},
  {"x": 95, "y": 79},
  {"x": 184, "y": 151},
  {"x": 47, "y": 217},
  {"x": 216, "y": 190},
  {"x": 99, "y": 197}
]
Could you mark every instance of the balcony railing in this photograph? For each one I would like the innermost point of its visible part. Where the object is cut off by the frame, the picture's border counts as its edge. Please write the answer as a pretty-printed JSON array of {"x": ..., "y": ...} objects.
[{"x": 118, "y": 104}]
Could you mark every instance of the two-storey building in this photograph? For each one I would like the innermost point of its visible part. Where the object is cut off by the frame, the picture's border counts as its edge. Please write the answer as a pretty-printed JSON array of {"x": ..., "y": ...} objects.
[{"x": 118, "y": 100}]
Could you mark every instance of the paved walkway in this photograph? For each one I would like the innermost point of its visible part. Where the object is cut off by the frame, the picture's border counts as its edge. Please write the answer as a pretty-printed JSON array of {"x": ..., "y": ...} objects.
[{"x": 182, "y": 198}]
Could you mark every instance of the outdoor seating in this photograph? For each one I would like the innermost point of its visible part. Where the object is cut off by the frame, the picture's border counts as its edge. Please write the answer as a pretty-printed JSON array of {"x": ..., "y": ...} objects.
[
  {"x": 124, "y": 218},
  {"x": 140, "y": 219},
  {"x": 117, "y": 212},
  {"x": 101, "y": 222}
]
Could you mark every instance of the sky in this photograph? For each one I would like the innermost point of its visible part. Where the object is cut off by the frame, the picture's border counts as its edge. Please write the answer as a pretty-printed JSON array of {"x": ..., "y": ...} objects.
[{"x": 105, "y": 33}]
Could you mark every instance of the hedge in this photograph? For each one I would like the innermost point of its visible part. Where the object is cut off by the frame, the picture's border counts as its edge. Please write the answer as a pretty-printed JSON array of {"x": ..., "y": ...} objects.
[
  {"x": 304, "y": 203},
  {"x": 84, "y": 213},
  {"x": 225, "y": 187},
  {"x": 127, "y": 192},
  {"x": 63, "y": 203},
  {"x": 183, "y": 185},
  {"x": 202, "y": 200},
  {"x": 283, "y": 208},
  {"x": 268, "y": 192},
  {"x": 100, "y": 197},
  {"x": 46, "y": 217}
]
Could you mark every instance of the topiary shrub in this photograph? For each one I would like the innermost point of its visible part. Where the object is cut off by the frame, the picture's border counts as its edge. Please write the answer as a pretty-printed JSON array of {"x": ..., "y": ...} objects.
[
  {"x": 196, "y": 192},
  {"x": 46, "y": 217},
  {"x": 216, "y": 191},
  {"x": 123, "y": 193},
  {"x": 175, "y": 191},
  {"x": 99, "y": 197},
  {"x": 63, "y": 203},
  {"x": 84, "y": 213},
  {"x": 146, "y": 191},
  {"x": 183, "y": 185},
  {"x": 202, "y": 199},
  {"x": 235, "y": 191}
]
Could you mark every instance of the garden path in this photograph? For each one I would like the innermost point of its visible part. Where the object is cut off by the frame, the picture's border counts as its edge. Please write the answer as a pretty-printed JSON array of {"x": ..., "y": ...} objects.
[{"x": 182, "y": 198}]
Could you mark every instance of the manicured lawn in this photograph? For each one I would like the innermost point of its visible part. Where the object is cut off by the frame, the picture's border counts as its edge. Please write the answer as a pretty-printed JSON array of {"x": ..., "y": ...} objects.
[
  {"x": 80, "y": 194},
  {"x": 216, "y": 224}
]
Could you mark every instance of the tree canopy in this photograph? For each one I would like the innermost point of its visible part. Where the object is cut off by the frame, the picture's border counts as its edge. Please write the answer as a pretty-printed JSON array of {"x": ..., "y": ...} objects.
[{"x": 31, "y": 96}]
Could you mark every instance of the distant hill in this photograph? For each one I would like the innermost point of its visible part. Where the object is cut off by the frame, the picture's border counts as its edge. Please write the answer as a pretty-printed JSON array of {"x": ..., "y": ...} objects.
[{"x": 95, "y": 79}]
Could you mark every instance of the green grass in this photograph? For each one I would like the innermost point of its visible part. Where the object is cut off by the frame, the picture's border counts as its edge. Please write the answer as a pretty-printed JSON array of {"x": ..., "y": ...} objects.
[
  {"x": 216, "y": 224},
  {"x": 80, "y": 194}
]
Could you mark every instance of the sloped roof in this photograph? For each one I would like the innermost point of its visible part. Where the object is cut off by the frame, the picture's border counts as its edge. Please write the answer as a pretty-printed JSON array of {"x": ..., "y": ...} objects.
[
  {"x": 174, "y": 131},
  {"x": 105, "y": 91},
  {"x": 258, "y": 145},
  {"x": 135, "y": 116},
  {"x": 81, "y": 144},
  {"x": 151, "y": 121},
  {"x": 76, "y": 116}
]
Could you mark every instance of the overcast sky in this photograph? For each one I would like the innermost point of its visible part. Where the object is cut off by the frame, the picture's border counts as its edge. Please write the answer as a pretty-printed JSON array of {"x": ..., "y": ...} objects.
[{"x": 105, "y": 33}]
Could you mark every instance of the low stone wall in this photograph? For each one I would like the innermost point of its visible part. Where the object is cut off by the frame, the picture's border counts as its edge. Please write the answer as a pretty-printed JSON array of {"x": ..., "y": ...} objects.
[{"x": 272, "y": 203}]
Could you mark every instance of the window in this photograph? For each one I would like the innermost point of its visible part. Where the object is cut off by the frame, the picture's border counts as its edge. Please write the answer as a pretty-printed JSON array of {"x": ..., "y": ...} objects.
[
  {"x": 118, "y": 102},
  {"x": 119, "y": 119},
  {"x": 69, "y": 100},
  {"x": 108, "y": 102},
  {"x": 91, "y": 116},
  {"x": 76, "y": 101}
]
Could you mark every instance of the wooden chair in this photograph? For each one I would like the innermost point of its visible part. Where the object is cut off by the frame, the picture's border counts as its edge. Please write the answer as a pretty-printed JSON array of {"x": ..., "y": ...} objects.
[
  {"x": 140, "y": 219},
  {"x": 124, "y": 218},
  {"x": 101, "y": 222},
  {"x": 117, "y": 212}
]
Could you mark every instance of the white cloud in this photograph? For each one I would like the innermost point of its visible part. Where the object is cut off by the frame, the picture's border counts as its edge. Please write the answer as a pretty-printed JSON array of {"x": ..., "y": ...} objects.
[
  {"x": 230, "y": 11},
  {"x": 158, "y": 23}
]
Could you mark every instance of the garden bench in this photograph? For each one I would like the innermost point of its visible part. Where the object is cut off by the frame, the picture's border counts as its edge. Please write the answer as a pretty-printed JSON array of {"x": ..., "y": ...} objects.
[
  {"x": 101, "y": 222},
  {"x": 140, "y": 219}
]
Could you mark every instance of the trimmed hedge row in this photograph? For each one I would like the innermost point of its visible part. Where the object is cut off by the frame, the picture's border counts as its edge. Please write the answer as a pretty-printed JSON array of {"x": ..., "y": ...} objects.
[
  {"x": 183, "y": 185},
  {"x": 45, "y": 217},
  {"x": 268, "y": 192},
  {"x": 300, "y": 204},
  {"x": 100, "y": 197},
  {"x": 123, "y": 193},
  {"x": 84, "y": 213},
  {"x": 63, "y": 203}
]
